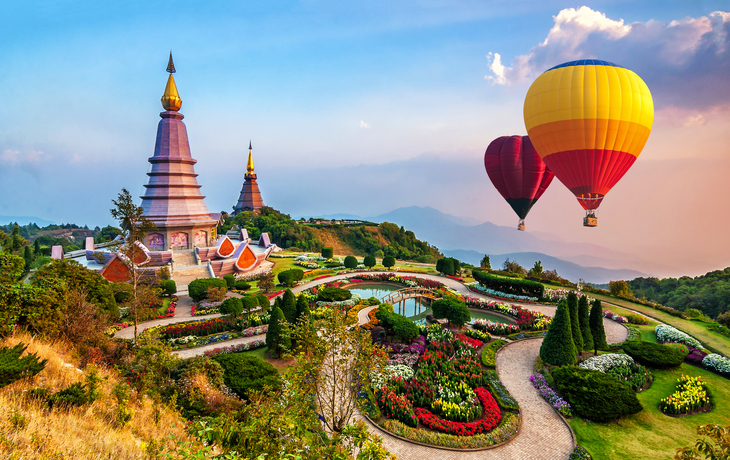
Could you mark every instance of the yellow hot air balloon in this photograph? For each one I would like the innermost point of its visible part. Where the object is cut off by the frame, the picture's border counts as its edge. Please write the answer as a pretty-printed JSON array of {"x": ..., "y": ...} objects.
[{"x": 589, "y": 121}]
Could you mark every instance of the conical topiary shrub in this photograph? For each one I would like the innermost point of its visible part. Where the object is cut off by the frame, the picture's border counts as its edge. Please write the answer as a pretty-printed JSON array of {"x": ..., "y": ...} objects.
[
  {"x": 558, "y": 347},
  {"x": 596, "y": 323},
  {"x": 584, "y": 313},
  {"x": 574, "y": 322}
]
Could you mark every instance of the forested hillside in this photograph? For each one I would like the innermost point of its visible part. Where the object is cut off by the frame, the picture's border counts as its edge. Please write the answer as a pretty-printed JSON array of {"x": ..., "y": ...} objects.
[
  {"x": 709, "y": 293},
  {"x": 385, "y": 239}
]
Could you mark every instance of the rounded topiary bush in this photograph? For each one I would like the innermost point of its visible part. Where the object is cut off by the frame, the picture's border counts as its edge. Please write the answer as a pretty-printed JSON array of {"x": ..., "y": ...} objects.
[
  {"x": 369, "y": 261},
  {"x": 595, "y": 396},
  {"x": 350, "y": 262},
  {"x": 168, "y": 287},
  {"x": 230, "y": 281},
  {"x": 656, "y": 355},
  {"x": 388, "y": 261},
  {"x": 231, "y": 306},
  {"x": 242, "y": 285},
  {"x": 333, "y": 294},
  {"x": 244, "y": 373}
]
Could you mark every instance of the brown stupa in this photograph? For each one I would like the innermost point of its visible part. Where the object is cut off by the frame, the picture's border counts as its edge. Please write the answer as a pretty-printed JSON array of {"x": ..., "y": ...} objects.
[
  {"x": 172, "y": 199},
  {"x": 250, "y": 197}
]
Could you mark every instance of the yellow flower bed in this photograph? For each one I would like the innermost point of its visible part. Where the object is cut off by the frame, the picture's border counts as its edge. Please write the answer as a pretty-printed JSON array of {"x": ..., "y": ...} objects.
[{"x": 691, "y": 394}]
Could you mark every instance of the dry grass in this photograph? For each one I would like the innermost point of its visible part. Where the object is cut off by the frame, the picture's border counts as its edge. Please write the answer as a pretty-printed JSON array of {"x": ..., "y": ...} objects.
[{"x": 29, "y": 430}]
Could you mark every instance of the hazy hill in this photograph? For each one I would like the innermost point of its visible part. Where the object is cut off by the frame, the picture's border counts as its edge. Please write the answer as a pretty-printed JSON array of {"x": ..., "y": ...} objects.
[
  {"x": 24, "y": 220},
  {"x": 566, "y": 269}
]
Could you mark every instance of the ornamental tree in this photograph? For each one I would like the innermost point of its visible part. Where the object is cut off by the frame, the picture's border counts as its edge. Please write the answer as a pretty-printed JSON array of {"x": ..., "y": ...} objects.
[
  {"x": 596, "y": 324},
  {"x": 584, "y": 313},
  {"x": 558, "y": 347},
  {"x": 231, "y": 306},
  {"x": 452, "y": 309},
  {"x": 289, "y": 306},
  {"x": 369, "y": 261},
  {"x": 350, "y": 262},
  {"x": 327, "y": 253},
  {"x": 447, "y": 266},
  {"x": 277, "y": 336},
  {"x": 302, "y": 306},
  {"x": 574, "y": 321},
  {"x": 388, "y": 261},
  {"x": 485, "y": 263}
]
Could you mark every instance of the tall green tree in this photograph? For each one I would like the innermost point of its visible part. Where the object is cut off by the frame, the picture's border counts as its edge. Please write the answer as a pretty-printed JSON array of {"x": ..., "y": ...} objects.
[
  {"x": 558, "y": 347},
  {"x": 485, "y": 263},
  {"x": 302, "y": 306},
  {"x": 289, "y": 306},
  {"x": 597, "y": 330},
  {"x": 278, "y": 338},
  {"x": 584, "y": 313},
  {"x": 575, "y": 322},
  {"x": 536, "y": 269},
  {"x": 447, "y": 267},
  {"x": 11, "y": 267}
]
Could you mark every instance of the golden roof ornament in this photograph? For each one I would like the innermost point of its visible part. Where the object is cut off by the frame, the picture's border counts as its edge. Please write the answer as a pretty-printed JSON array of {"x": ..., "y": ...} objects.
[
  {"x": 171, "y": 99},
  {"x": 249, "y": 165}
]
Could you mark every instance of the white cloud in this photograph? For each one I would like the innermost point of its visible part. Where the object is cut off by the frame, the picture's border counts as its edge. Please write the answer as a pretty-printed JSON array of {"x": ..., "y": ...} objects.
[
  {"x": 695, "y": 120},
  {"x": 75, "y": 158},
  {"x": 684, "y": 62},
  {"x": 15, "y": 157},
  {"x": 495, "y": 65},
  {"x": 364, "y": 125}
]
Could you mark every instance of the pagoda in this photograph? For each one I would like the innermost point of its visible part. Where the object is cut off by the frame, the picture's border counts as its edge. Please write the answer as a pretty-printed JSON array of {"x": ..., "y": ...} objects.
[
  {"x": 172, "y": 198},
  {"x": 250, "y": 197}
]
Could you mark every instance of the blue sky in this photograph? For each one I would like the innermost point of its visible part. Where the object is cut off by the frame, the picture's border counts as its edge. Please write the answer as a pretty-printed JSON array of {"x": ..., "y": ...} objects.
[{"x": 322, "y": 87}]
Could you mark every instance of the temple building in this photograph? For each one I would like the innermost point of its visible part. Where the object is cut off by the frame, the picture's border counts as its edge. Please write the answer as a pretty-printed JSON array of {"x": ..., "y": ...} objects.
[
  {"x": 250, "y": 197},
  {"x": 172, "y": 199}
]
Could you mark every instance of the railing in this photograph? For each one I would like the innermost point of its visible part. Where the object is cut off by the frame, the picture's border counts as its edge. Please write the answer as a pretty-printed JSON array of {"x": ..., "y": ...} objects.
[{"x": 408, "y": 293}]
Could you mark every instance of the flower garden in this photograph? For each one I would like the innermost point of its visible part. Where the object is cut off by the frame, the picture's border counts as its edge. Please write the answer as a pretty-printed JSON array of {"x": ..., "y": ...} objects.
[{"x": 438, "y": 388}]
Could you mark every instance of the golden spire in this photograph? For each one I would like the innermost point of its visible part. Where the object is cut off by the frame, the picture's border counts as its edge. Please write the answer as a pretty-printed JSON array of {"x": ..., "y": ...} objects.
[
  {"x": 249, "y": 165},
  {"x": 171, "y": 99}
]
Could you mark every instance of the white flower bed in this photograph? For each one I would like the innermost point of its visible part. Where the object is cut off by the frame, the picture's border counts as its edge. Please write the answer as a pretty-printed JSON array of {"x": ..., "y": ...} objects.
[
  {"x": 182, "y": 340},
  {"x": 351, "y": 302},
  {"x": 667, "y": 333},
  {"x": 494, "y": 293},
  {"x": 397, "y": 370},
  {"x": 717, "y": 362},
  {"x": 606, "y": 362}
]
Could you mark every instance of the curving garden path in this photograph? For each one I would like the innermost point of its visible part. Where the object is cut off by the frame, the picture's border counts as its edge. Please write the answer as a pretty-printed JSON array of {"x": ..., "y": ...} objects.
[{"x": 544, "y": 435}]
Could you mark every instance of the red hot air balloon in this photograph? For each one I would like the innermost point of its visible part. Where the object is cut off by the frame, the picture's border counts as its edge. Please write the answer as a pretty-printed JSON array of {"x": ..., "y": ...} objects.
[{"x": 517, "y": 172}]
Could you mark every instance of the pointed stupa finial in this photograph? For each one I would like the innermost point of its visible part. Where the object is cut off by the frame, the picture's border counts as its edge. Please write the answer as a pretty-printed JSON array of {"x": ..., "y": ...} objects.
[
  {"x": 249, "y": 165},
  {"x": 170, "y": 64},
  {"x": 171, "y": 99}
]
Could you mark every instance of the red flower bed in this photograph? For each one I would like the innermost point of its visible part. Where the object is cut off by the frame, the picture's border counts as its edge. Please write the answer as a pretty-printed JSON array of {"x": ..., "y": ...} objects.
[
  {"x": 490, "y": 418},
  {"x": 525, "y": 318},
  {"x": 470, "y": 342}
]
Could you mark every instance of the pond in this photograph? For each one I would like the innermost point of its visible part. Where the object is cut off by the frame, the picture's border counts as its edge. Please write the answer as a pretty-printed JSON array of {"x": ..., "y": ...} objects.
[{"x": 411, "y": 308}]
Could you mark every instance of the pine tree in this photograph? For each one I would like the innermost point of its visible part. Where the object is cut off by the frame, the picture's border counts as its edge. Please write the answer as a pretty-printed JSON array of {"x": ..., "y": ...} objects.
[
  {"x": 277, "y": 336},
  {"x": 558, "y": 347},
  {"x": 302, "y": 306},
  {"x": 597, "y": 331},
  {"x": 13, "y": 367},
  {"x": 574, "y": 322},
  {"x": 584, "y": 313},
  {"x": 289, "y": 306}
]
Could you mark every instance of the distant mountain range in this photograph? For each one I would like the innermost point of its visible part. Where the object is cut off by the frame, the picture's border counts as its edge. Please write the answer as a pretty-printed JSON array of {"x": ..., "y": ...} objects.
[
  {"x": 461, "y": 238},
  {"x": 24, "y": 220}
]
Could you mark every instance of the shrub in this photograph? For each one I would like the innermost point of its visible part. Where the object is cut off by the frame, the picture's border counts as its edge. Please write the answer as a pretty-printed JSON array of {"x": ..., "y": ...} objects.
[
  {"x": 447, "y": 266},
  {"x": 333, "y": 294},
  {"x": 596, "y": 323},
  {"x": 637, "y": 319},
  {"x": 399, "y": 326},
  {"x": 242, "y": 285},
  {"x": 584, "y": 314},
  {"x": 13, "y": 367},
  {"x": 277, "y": 335},
  {"x": 655, "y": 355},
  {"x": 724, "y": 319},
  {"x": 452, "y": 309},
  {"x": 244, "y": 373},
  {"x": 231, "y": 306},
  {"x": 508, "y": 285},
  {"x": 595, "y": 396},
  {"x": 198, "y": 289},
  {"x": 327, "y": 253},
  {"x": 168, "y": 287},
  {"x": 291, "y": 276},
  {"x": 369, "y": 261},
  {"x": 264, "y": 302},
  {"x": 350, "y": 262},
  {"x": 558, "y": 347},
  {"x": 289, "y": 306},
  {"x": 230, "y": 281},
  {"x": 216, "y": 294},
  {"x": 74, "y": 395},
  {"x": 388, "y": 261}
]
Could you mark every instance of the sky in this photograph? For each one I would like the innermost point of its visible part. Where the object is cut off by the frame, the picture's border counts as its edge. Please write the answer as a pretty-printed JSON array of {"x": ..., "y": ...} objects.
[{"x": 362, "y": 107}]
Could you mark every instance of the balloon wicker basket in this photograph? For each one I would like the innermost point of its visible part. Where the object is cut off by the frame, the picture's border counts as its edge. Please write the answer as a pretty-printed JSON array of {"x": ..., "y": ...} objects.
[
  {"x": 521, "y": 225},
  {"x": 590, "y": 220}
]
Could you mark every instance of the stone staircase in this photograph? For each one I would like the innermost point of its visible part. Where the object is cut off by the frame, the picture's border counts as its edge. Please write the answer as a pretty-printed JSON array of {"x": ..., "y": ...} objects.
[
  {"x": 183, "y": 258},
  {"x": 186, "y": 269}
]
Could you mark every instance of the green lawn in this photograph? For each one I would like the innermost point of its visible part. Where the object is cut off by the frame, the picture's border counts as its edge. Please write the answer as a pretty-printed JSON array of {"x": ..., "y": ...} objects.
[
  {"x": 697, "y": 329},
  {"x": 650, "y": 434},
  {"x": 647, "y": 331},
  {"x": 165, "y": 305}
]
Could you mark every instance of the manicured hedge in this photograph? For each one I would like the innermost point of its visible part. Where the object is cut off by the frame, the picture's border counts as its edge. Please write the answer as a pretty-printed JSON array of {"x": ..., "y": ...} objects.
[
  {"x": 333, "y": 294},
  {"x": 399, "y": 326},
  {"x": 489, "y": 353},
  {"x": 244, "y": 373},
  {"x": 656, "y": 355},
  {"x": 509, "y": 286},
  {"x": 197, "y": 289},
  {"x": 291, "y": 276},
  {"x": 595, "y": 396}
]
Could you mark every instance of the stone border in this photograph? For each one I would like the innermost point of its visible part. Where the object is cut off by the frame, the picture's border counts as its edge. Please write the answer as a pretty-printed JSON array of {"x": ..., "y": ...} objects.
[
  {"x": 565, "y": 421},
  {"x": 454, "y": 449}
]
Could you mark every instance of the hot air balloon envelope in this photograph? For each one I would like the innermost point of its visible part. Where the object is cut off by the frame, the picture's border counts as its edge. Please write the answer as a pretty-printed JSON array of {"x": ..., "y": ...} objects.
[
  {"x": 589, "y": 121},
  {"x": 517, "y": 172}
]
